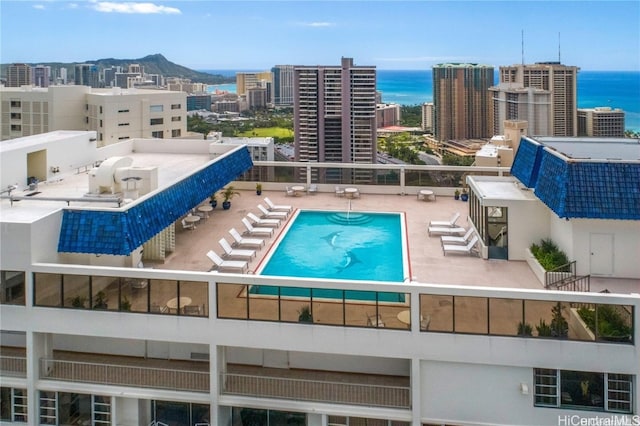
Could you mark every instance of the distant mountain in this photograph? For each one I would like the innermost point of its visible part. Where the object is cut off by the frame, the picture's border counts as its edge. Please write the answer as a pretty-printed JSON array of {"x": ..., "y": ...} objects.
[{"x": 153, "y": 64}]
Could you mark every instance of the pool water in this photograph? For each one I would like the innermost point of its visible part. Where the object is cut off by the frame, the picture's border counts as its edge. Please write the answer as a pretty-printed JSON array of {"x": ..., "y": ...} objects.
[{"x": 341, "y": 245}]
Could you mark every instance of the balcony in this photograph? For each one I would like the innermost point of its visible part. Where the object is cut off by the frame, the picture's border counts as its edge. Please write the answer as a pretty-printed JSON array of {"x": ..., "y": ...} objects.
[{"x": 13, "y": 362}]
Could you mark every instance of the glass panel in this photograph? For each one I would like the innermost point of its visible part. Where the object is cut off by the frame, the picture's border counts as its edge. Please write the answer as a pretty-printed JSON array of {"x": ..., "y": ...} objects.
[
  {"x": 134, "y": 295},
  {"x": 582, "y": 389},
  {"x": 198, "y": 292},
  {"x": 615, "y": 323},
  {"x": 105, "y": 292},
  {"x": 538, "y": 313},
  {"x": 74, "y": 408},
  {"x": 48, "y": 289},
  {"x": 619, "y": 393},
  {"x": 20, "y": 405},
  {"x": 264, "y": 303},
  {"x": 284, "y": 418},
  {"x": 361, "y": 309},
  {"x": 12, "y": 285},
  {"x": 101, "y": 410},
  {"x": 248, "y": 416},
  {"x": 172, "y": 413},
  {"x": 470, "y": 314},
  {"x": 438, "y": 310},
  {"x": 200, "y": 413},
  {"x": 231, "y": 300},
  {"x": 505, "y": 318},
  {"x": 327, "y": 309},
  {"x": 5, "y": 404},
  {"x": 546, "y": 391},
  {"x": 164, "y": 296},
  {"x": 76, "y": 291},
  {"x": 47, "y": 408},
  {"x": 297, "y": 307}
]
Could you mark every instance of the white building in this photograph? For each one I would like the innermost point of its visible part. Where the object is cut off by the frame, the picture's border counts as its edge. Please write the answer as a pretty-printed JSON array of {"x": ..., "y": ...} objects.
[
  {"x": 90, "y": 336},
  {"x": 114, "y": 114}
]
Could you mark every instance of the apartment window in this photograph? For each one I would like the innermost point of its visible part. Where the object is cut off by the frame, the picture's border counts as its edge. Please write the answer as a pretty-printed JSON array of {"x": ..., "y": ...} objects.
[
  {"x": 16, "y": 116},
  {"x": 156, "y": 108},
  {"x": 121, "y": 138},
  {"x": 12, "y": 284},
  {"x": 100, "y": 123},
  {"x": 123, "y": 124},
  {"x": 176, "y": 106},
  {"x": 16, "y": 128},
  {"x": 13, "y": 405},
  {"x": 15, "y": 104},
  {"x": 86, "y": 120},
  {"x": 100, "y": 109},
  {"x": 156, "y": 121},
  {"x": 123, "y": 110},
  {"x": 176, "y": 133},
  {"x": 582, "y": 390},
  {"x": 159, "y": 134},
  {"x": 176, "y": 118}
]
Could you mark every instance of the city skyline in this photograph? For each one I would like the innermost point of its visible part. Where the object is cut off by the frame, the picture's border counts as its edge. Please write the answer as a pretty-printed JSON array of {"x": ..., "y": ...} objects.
[{"x": 253, "y": 35}]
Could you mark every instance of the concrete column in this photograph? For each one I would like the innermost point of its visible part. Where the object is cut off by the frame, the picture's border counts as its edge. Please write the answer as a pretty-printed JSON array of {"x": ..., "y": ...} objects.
[
  {"x": 39, "y": 345},
  {"x": 416, "y": 396}
]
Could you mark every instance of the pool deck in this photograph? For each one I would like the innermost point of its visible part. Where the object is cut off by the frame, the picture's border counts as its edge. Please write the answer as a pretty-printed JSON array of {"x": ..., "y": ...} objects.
[{"x": 427, "y": 261}]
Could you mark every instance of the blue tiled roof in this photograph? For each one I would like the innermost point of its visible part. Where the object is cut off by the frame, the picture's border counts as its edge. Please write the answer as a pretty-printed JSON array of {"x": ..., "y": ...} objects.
[
  {"x": 580, "y": 189},
  {"x": 120, "y": 232},
  {"x": 527, "y": 162}
]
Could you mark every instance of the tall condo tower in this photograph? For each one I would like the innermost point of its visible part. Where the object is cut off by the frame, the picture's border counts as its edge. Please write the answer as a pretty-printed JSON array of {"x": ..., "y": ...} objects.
[
  {"x": 86, "y": 75},
  {"x": 41, "y": 75},
  {"x": 461, "y": 100},
  {"x": 282, "y": 84},
  {"x": 544, "y": 93},
  {"x": 19, "y": 75},
  {"x": 335, "y": 113}
]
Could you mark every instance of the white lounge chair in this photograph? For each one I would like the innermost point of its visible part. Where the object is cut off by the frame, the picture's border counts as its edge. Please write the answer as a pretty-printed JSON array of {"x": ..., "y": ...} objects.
[
  {"x": 240, "y": 241},
  {"x": 290, "y": 192},
  {"x": 451, "y": 248},
  {"x": 452, "y": 239},
  {"x": 339, "y": 192},
  {"x": 221, "y": 264},
  {"x": 263, "y": 222},
  {"x": 277, "y": 207},
  {"x": 313, "y": 189},
  {"x": 272, "y": 215},
  {"x": 450, "y": 223},
  {"x": 237, "y": 253},
  {"x": 251, "y": 230},
  {"x": 445, "y": 230},
  {"x": 188, "y": 225}
]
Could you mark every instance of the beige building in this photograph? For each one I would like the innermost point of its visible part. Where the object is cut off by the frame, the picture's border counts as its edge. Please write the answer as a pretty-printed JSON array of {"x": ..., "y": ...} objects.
[
  {"x": 427, "y": 116},
  {"x": 247, "y": 80},
  {"x": 18, "y": 75},
  {"x": 114, "y": 114},
  {"x": 601, "y": 121}
]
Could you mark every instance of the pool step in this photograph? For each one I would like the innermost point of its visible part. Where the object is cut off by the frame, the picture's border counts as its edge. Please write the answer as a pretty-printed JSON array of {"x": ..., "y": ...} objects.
[{"x": 349, "y": 218}]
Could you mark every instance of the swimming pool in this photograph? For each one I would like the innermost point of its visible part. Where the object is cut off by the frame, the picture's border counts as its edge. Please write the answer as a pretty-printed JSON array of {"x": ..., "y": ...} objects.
[{"x": 363, "y": 246}]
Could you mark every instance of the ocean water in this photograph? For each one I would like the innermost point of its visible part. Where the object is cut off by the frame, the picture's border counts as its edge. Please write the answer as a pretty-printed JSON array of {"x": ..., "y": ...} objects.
[{"x": 615, "y": 89}]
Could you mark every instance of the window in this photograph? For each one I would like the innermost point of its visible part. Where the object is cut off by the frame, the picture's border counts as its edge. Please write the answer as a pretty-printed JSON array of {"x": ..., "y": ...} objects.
[
  {"x": 16, "y": 128},
  {"x": 156, "y": 121},
  {"x": 123, "y": 110},
  {"x": 176, "y": 106},
  {"x": 100, "y": 123},
  {"x": 12, "y": 284},
  {"x": 156, "y": 108},
  {"x": 100, "y": 109},
  {"x": 158, "y": 134},
  {"x": 583, "y": 390},
  {"x": 176, "y": 118},
  {"x": 15, "y": 104},
  {"x": 123, "y": 124},
  {"x": 13, "y": 405},
  {"x": 175, "y": 133},
  {"x": 121, "y": 138},
  {"x": 16, "y": 116}
]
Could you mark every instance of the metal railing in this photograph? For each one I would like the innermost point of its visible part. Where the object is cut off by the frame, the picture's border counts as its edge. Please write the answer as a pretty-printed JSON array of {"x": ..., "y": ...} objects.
[
  {"x": 578, "y": 283},
  {"x": 13, "y": 366},
  {"x": 124, "y": 375},
  {"x": 315, "y": 390},
  {"x": 564, "y": 278}
]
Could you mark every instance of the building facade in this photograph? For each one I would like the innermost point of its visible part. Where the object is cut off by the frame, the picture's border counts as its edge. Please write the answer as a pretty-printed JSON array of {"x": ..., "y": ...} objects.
[
  {"x": 87, "y": 75},
  {"x": 247, "y": 80},
  {"x": 601, "y": 121},
  {"x": 388, "y": 115},
  {"x": 335, "y": 113},
  {"x": 19, "y": 75},
  {"x": 115, "y": 114},
  {"x": 461, "y": 100},
  {"x": 282, "y": 85},
  {"x": 427, "y": 111},
  {"x": 553, "y": 100},
  {"x": 41, "y": 76}
]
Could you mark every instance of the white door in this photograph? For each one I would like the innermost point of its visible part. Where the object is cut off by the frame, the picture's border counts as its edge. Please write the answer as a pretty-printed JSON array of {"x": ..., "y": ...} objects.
[{"x": 601, "y": 254}]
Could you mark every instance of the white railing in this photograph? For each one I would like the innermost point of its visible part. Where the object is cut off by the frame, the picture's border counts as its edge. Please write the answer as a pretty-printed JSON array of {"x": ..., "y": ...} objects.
[
  {"x": 315, "y": 390},
  {"x": 13, "y": 366},
  {"x": 124, "y": 375}
]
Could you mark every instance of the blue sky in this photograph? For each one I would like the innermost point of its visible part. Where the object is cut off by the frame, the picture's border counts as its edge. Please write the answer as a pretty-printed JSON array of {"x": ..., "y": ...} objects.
[{"x": 391, "y": 34}]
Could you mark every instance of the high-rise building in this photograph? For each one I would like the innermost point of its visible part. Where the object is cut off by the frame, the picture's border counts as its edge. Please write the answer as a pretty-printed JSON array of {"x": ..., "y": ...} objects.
[
  {"x": 427, "y": 116},
  {"x": 19, "y": 75},
  {"x": 601, "y": 121},
  {"x": 247, "y": 80},
  {"x": 87, "y": 75},
  {"x": 109, "y": 76},
  {"x": 544, "y": 92},
  {"x": 335, "y": 113},
  {"x": 41, "y": 75},
  {"x": 282, "y": 84},
  {"x": 461, "y": 100}
]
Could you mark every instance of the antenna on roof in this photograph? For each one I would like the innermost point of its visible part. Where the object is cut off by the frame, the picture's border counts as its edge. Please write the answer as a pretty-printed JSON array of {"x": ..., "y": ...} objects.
[
  {"x": 559, "y": 61},
  {"x": 522, "y": 44}
]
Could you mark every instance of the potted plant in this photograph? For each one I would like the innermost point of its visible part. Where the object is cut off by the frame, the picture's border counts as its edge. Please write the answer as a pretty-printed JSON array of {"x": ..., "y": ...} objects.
[
  {"x": 101, "y": 301},
  {"x": 258, "y": 188},
  {"x": 543, "y": 329},
  {"x": 213, "y": 200},
  {"x": 78, "y": 302},
  {"x": 456, "y": 194},
  {"x": 524, "y": 329},
  {"x": 559, "y": 325},
  {"x": 304, "y": 314},
  {"x": 227, "y": 194},
  {"x": 464, "y": 196}
]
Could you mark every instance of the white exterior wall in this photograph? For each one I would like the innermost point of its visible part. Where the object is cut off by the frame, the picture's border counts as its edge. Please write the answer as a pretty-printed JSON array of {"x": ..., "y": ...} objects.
[{"x": 527, "y": 221}]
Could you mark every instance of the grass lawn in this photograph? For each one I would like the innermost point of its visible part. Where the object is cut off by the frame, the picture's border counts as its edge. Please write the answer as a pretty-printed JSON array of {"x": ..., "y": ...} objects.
[{"x": 264, "y": 132}]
